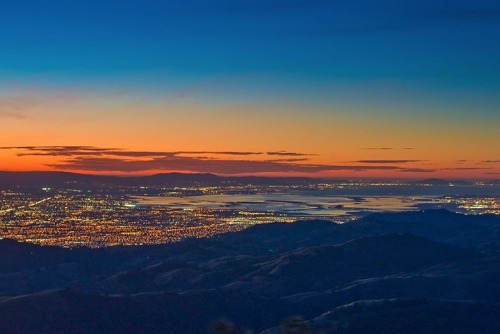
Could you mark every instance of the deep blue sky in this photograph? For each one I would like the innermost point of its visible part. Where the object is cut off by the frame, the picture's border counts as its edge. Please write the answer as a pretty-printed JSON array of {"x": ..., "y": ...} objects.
[{"x": 442, "y": 43}]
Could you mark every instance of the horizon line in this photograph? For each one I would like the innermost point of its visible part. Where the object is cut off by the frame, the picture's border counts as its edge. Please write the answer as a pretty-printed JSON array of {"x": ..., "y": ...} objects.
[{"x": 232, "y": 176}]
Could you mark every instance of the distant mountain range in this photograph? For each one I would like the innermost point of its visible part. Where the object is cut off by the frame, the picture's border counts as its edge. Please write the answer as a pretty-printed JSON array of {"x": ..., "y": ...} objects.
[
  {"x": 65, "y": 179},
  {"x": 415, "y": 272},
  {"x": 60, "y": 179}
]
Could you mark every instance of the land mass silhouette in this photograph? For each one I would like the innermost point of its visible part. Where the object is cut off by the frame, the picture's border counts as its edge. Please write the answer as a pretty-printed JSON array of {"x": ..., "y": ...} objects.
[{"x": 413, "y": 272}]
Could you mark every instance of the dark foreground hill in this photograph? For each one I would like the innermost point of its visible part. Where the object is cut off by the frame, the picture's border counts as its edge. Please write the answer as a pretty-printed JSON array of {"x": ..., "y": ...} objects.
[
  {"x": 415, "y": 272},
  {"x": 410, "y": 316}
]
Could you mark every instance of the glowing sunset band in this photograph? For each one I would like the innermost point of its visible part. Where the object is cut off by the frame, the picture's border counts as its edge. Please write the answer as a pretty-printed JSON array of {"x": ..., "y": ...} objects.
[{"x": 99, "y": 160}]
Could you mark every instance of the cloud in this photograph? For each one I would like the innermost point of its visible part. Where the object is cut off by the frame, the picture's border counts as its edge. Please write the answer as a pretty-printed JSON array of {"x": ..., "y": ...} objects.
[
  {"x": 101, "y": 159},
  {"x": 385, "y": 148},
  {"x": 57, "y": 151},
  {"x": 465, "y": 168},
  {"x": 99, "y": 151},
  {"x": 14, "y": 115},
  {"x": 289, "y": 154},
  {"x": 287, "y": 160},
  {"x": 376, "y": 148},
  {"x": 390, "y": 161},
  {"x": 416, "y": 170},
  {"x": 229, "y": 153},
  {"x": 98, "y": 159},
  {"x": 477, "y": 162},
  {"x": 195, "y": 164}
]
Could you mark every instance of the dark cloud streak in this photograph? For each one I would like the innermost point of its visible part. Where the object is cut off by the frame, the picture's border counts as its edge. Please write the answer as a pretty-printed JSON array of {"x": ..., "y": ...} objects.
[
  {"x": 222, "y": 166},
  {"x": 99, "y": 159},
  {"x": 98, "y": 151},
  {"x": 385, "y": 148},
  {"x": 416, "y": 170},
  {"x": 377, "y": 148},
  {"x": 388, "y": 161},
  {"x": 289, "y": 154},
  {"x": 465, "y": 168}
]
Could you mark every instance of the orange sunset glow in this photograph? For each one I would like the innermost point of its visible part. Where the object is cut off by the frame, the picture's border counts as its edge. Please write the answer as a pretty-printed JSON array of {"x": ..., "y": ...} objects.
[{"x": 133, "y": 136}]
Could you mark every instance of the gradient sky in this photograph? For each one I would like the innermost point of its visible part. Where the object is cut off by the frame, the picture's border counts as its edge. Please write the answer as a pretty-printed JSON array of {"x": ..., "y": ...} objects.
[{"x": 271, "y": 87}]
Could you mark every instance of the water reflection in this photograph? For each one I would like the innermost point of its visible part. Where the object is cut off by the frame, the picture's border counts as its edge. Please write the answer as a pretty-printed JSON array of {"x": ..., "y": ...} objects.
[{"x": 337, "y": 202}]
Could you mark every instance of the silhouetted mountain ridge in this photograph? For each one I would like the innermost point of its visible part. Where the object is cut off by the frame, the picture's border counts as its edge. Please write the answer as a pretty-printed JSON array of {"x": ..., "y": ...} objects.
[
  {"x": 66, "y": 179},
  {"x": 415, "y": 265}
]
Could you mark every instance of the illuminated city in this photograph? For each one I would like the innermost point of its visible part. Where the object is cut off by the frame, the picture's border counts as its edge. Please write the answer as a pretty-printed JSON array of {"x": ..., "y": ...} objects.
[{"x": 110, "y": 216}]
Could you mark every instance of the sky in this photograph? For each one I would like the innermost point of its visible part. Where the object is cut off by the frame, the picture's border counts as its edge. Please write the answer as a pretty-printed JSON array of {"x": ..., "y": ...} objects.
[{"x": 360, "y": 88}]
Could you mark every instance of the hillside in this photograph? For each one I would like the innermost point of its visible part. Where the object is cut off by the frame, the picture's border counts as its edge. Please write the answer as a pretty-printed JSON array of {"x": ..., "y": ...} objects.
[{"x": 342, "y": 278}]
